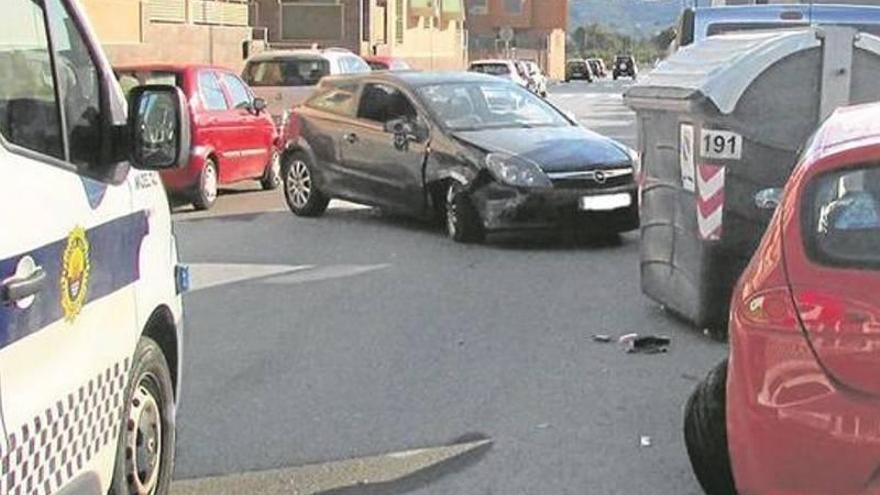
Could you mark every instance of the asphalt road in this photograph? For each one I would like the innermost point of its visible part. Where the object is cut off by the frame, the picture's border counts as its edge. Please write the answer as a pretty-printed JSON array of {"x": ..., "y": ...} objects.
[{"x": 362, "y": 354}]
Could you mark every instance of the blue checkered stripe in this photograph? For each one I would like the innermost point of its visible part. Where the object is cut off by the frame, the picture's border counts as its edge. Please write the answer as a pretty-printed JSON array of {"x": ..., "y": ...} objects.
[{"x": 44, "y": 454}]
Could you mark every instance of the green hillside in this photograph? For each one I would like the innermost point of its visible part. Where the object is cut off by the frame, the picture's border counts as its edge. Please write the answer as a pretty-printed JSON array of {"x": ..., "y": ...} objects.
[{"x": 636, "y": 18}]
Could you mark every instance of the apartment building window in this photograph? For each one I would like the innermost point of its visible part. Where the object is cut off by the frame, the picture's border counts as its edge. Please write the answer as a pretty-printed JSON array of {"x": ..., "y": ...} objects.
[
  {"x": 478, "y": 7},
  {"x": 513, "y": 7},
  {"x": 312, "y": 20}
]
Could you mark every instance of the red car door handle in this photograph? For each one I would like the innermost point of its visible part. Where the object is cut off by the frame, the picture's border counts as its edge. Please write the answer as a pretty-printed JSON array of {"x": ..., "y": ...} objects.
[{"x": 351, "y": 138}]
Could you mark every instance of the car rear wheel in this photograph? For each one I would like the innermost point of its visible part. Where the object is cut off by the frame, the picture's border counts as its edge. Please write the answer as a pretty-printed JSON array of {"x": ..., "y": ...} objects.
[
  {"x": 302, "y": 194},
  {"x": 207, "y": 189},
  {"x": 146, "y": 442},
  {"x": 272, "y": 177},
  {"x": 463, "y": 222},
  {"x": 705, "y": 433}
]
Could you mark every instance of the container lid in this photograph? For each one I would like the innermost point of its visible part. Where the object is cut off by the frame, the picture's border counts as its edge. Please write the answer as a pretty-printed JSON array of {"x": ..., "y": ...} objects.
[{"x": 721, "y": 68}]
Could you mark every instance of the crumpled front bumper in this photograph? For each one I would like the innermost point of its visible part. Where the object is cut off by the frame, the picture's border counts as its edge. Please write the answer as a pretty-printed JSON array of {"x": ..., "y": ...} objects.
[{"x": 508, "y": 208}]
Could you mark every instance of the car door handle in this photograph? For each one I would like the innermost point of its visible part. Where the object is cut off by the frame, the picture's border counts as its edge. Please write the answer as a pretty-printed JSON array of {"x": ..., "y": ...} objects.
[
  {"x": 16, "y": 289},
  {"x": 351, "y": 138}
]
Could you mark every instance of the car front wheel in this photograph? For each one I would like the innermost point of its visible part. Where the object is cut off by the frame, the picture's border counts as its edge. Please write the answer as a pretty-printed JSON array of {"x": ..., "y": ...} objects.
[
  {"x": 300, "y": 191},
  {"x": 705, "y": 433},
  {"x": 463, "y": 222},
  {"x": 145, "y": 449}
]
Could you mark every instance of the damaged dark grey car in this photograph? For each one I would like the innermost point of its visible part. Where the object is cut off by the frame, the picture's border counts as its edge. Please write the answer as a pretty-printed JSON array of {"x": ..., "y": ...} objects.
[{"x": 483, "y": 154}]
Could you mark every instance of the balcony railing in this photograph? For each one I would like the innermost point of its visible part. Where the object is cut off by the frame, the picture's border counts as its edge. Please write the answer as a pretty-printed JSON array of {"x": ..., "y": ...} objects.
[{"x": 212, "y": 12}]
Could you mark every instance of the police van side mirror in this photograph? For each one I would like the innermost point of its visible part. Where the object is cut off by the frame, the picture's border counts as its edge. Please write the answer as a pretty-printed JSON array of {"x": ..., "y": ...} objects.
[{"x": 159, "y": 127}]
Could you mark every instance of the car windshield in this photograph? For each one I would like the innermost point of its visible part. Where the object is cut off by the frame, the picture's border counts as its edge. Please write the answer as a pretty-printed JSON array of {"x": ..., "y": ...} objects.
[
  {"x": 486, "y": 105},
  {"x": 498, "y": 69},
  {"x": 286, "y": 72}
]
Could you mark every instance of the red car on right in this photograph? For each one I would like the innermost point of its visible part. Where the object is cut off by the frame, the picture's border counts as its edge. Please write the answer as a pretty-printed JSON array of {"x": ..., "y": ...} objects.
[{"x": 796, "y": 407}]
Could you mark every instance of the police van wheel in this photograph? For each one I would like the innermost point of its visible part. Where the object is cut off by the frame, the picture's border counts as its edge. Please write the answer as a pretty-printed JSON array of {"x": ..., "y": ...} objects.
[
  {"x": 206, "y": 191},
  {"x": 145, "y": 450}
]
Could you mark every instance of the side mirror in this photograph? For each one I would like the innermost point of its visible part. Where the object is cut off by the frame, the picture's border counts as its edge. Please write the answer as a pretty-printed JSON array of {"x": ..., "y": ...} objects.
[
  {"x": 159, "y": 126},
  {"x": 768, "y": 199},
  {"x": 259, "y": 105},
  {"x": 415, "y": 131}
]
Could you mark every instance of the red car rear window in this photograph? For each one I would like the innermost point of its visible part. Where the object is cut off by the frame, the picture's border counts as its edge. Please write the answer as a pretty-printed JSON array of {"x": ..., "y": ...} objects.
[{"x": 843, "y": 218}]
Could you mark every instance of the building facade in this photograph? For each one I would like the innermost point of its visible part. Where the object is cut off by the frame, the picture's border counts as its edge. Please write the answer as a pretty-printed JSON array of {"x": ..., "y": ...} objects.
[
  {"x": 199, "y": 31},
  {"x": 528, "y": 29},
  {"x": 429, "y": 34}
]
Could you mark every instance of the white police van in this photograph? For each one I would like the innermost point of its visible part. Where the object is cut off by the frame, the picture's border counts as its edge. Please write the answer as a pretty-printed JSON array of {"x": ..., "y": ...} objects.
[{"x": 90, "y": 310}]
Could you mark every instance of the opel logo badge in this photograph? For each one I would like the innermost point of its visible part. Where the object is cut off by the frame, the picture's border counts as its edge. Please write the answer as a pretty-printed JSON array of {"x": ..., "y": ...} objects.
[{"x": 599, "y": 176}]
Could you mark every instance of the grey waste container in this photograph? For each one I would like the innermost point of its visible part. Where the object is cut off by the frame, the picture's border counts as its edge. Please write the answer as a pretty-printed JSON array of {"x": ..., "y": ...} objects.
[{"x": 719, "y": 122}]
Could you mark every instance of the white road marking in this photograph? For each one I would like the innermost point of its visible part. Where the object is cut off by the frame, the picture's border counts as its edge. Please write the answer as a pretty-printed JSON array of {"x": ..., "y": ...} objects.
[
  {"x": 318, "y": 478},
  {"x": 589, "y": 122},
  {"x": 207, "y": 275},
  {"x": 320, "y": 273}
]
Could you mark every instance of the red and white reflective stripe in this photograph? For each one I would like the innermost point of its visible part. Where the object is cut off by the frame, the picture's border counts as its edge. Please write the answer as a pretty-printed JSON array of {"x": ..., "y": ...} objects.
[{"x": 710, "y": 201}]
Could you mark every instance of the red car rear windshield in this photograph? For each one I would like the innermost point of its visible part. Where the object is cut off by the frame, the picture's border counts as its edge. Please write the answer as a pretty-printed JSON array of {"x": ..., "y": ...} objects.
[
  {"x": 289, "y": 72},
  {"x": 843, "y": 218}
]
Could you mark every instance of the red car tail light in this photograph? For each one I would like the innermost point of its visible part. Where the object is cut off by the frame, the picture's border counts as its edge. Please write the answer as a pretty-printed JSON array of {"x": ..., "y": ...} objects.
[
  {"x": 771, "y": 310},
  {"x": 845, "y": 335}
]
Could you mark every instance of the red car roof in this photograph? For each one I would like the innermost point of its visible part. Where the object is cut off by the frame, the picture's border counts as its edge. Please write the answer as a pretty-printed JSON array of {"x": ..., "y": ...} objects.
[{"x": 166, "y": 67}]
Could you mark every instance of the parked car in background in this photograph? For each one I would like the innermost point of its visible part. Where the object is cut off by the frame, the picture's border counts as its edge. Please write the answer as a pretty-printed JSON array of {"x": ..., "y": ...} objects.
[
  {"x": 385, "y": 62},
  {"x": 597, "y": 66},
  {"x": 284, "y": 78},
  {"x": 233, "y": 137},
  {"x": 483, "y": 154},
  {"x": 505, "y": 69},
  {"x": 625, "y": 66},
  {"x": 537, "y": 79},
  {"x": 578, "y": 69},
  {"x": 795, "y": 408},
  {"x": 698, "y": 24}
]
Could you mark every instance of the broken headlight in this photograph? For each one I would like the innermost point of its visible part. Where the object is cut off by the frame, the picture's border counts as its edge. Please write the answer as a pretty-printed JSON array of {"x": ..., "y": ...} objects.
[{"x": 516, "y": 171}]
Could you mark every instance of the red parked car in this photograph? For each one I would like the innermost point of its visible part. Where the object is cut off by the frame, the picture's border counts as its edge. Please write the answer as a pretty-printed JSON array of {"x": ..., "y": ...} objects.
[
  {"x": 796, "y": 409},
  {"x": 233, "y": 137},
  {"x": 384, "y": 62}
]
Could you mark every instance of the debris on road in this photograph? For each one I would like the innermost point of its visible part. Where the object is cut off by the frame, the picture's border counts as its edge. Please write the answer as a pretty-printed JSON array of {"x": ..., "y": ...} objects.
[
  {"x": 649, "y": 344},
  {"x": 543, "y": 426},
  {"x": 645, "y": 441},
  {"x": 603, "y": 339}
]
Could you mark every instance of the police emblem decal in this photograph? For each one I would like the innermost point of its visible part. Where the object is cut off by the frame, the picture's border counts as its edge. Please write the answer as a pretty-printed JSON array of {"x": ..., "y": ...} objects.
[{"x": 75, "y": 274}]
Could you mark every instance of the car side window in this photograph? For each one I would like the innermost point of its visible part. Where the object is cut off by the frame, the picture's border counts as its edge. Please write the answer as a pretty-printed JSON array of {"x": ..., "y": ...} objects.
[
  {"x": 29, "y": 109},
  {"x": 79, "y": 84},
  {"x": 843, "y": 215},
  {"x": 383, "y": 103},
  {"x": 241, "y": 97},
  {"x": 212, "y": 94},
  {"x": 334, "y": 99}
]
